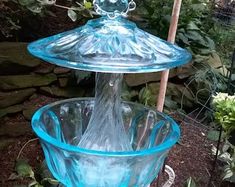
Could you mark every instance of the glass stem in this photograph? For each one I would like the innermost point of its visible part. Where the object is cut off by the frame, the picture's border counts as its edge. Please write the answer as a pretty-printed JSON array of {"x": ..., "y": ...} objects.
[{"x": 106, "y": 130}]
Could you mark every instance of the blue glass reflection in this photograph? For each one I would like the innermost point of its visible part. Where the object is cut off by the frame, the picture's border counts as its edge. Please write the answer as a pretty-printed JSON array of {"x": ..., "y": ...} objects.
[{"x": 110, "y": 45}]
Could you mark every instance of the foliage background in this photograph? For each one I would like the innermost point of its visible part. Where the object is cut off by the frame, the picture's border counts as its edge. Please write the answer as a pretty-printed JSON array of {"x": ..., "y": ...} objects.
[{"x": 206, "y": 37}]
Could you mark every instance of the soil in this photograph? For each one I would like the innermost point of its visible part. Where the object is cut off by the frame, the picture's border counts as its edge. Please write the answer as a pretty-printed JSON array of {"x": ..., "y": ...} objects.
[{"x": 191, "y": 158}]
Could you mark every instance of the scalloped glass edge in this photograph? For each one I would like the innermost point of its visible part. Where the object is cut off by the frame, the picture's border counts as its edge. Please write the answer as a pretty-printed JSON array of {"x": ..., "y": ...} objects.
[{"x": 173, "y": 136}]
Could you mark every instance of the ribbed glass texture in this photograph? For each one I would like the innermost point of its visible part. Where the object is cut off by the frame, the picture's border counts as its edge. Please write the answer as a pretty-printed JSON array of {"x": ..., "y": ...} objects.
[
  {"x": 110, "y": 45},
  {"x": 112, "y": 8},
  {"x": 61, "y": 125},
  {"x": 105, "y": 130}
]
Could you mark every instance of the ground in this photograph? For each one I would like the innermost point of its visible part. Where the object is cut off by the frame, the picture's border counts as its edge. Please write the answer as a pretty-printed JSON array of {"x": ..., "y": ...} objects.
[{"x": 191, "y": 157}]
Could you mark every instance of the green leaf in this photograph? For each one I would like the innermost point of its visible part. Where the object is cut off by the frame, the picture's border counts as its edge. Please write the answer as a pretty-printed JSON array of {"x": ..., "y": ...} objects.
[
  {"x": 205, "y": 51},
  {"x": 225, "y": 157},
  {"x": 194, "y": 35},
  {"x": 192, "y": 26},
  {"x": 72, "y": 15},
  {"x": 227, "y": 173},
  {"x": 183, "y": 38},
  {"x": 190, "y": 182},
  {"x": 210, "y": 42},
  {"x": 198, "y": 7},
  {"x": 14, "y": 176},
  {"x": 232, "y": 179},
  {"x": 35, "y": 8},
  {"x": 24, "y": 169},
  {"x": 225, "y": 147},
  {"x": 82, "y": 75},
  {"x": 50, "y": 181},
  {"x": 88, "y": 5},
  {"x": 33, "y": 184},
  {"x": 145, "y": 95},
  {"x": 213, "y": 135},
  {"x": 26, "y": 2},
  {"x": 169, "y": 103}
]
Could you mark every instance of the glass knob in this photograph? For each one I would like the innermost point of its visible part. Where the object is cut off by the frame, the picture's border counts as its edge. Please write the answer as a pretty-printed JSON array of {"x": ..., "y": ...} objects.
[{"x": 114, "y": 8}]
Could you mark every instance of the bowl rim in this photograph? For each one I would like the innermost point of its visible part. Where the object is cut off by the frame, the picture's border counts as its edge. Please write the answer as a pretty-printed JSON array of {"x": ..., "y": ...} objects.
[{"x": 44, "y": 137}]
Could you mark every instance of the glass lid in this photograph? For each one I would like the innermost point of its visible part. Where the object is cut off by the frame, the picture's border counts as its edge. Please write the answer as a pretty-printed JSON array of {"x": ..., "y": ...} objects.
[{"x": 110, "y": 44}]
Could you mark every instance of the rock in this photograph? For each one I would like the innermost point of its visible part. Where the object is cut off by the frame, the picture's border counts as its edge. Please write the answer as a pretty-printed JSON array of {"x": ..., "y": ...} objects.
[
  {"x": 64, "y": 75},
  {"x": 175, "y": 93},
  {"x": 5, "y": 142},
  {"x": 25, "y": 81},
  {"x": 186, "y": 71},
  {"x": 16, "y": 97},
  {"x": 63, "y": 92},
  {"x": 11, "y": 110},
  {"x": 29, "y": 111},
  {"x": 61, "y": 70},
  {"x": 44, "y": 68},
  {"x": 15, "y": 59},
  {"x": 15, "y": 129},
  {"x": 63, "y": 81},
  {"x": 216, "y": 63},
  {"x": 143, "y": 78},
  {"x": 34, "y": 96}
]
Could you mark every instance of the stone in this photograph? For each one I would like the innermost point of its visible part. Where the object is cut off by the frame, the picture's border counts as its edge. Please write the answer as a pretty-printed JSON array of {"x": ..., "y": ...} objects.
[
  {"x": 44, "y": 69},
  {"x": 11, "y": 110},
  {"x": 216, "y": 63},
  {"x": 25, "y": 81},
  {"x": 176, "y": 92},
  {"x": 15, "y": 59},
  {"x": 15, "y": 129},
  {"x": 143, "y": 78},
  {"x": 29, "y": 111},
  {"x": 63, "y": 82},
  {"x": 61, "y": 70},
  {"x": 63, "y": 92},
  {"x": 63, "y": 75},
  {"x": 34, "y": 96},
  {"x": 186, "y": 71},
  {"x": 15, "y": 97}
]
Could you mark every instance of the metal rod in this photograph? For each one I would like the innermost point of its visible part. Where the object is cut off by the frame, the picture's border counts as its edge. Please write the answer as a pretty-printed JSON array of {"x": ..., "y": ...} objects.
[
  {"x": 230, "y": 74},
  {"x": 165, "y": 74},
  {"x": 216, "y": 157},
  {"x": 171, "y": 38}
]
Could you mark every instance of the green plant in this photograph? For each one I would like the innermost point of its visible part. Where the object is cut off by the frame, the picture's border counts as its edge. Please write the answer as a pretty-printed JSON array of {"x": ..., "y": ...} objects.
[
  {"x": 192, "y": 27},
  {"x": 224, "y": 106},
  {"x": 227, "y": 156},
  {"x": 8, "y": 19},
  {"x": 74, "y": 8},
  {"x": 190, "y": 182},
  {"x": 195, "y": 21},
  {"x": 24, "y": 171},
  {"x": 14, "y": 11}
]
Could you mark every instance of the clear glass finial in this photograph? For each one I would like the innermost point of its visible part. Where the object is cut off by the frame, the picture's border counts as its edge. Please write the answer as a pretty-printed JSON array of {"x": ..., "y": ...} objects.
[{"x": 114, "y": 8}]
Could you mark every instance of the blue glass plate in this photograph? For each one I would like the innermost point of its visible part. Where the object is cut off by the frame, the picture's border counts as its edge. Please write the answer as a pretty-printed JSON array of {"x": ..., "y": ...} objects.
[{"x": 110, "y": 45}]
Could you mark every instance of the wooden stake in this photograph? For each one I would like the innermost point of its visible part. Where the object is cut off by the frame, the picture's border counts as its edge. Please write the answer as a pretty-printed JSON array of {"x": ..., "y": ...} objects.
[{"x": 171, "y": 38}]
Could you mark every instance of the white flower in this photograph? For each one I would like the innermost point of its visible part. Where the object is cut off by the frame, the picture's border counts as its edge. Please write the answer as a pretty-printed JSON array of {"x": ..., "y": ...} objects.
[{"x": 222, "y": 97}]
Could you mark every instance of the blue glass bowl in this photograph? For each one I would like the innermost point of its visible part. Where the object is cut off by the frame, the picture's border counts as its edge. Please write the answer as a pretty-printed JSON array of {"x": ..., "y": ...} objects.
[{"x": 60, "y": 126}]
